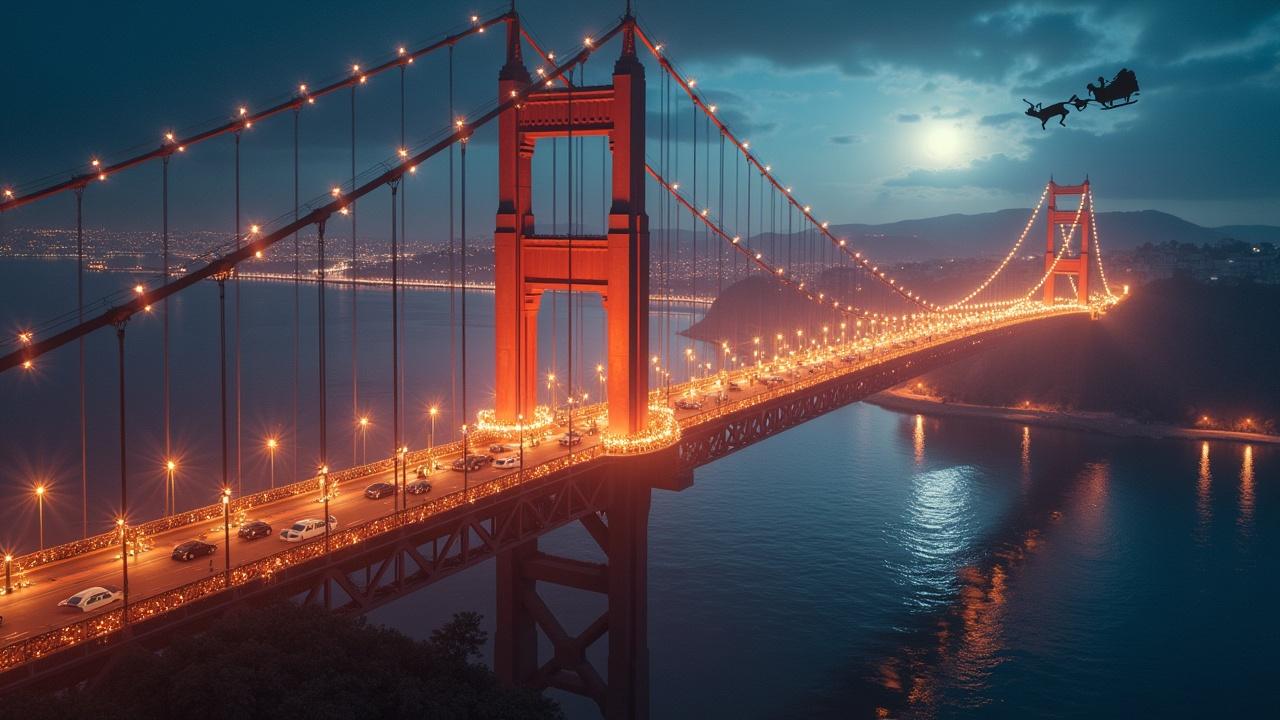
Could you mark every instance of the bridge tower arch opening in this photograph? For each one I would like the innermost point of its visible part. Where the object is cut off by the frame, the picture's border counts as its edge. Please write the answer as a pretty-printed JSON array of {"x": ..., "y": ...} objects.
[
  {"x": 615, "y": 265},
  {"x": 1058, "y": 225}
]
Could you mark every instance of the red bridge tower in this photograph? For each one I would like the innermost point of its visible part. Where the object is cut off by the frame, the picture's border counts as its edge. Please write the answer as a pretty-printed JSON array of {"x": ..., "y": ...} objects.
[
  {"x": 1076, "y": 266},
  {"x": 615, "y": 265}
]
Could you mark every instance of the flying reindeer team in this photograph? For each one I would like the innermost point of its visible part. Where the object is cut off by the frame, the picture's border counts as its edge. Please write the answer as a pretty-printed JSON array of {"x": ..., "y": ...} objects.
[{"x": 1122, "y": 87}]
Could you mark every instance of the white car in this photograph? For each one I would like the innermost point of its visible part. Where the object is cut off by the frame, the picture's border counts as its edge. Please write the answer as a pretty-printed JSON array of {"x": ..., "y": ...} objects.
[
  {"x": 306, "y": 529},
  {"x": 511, "y": 461},
  {"x": 93, "y": 598}
]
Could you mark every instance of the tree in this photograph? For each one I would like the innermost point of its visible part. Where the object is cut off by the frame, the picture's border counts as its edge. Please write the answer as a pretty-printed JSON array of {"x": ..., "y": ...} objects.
[{"x": 290, "y": 661}]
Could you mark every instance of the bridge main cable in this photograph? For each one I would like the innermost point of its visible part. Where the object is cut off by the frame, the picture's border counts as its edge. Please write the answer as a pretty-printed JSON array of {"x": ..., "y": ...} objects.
[
  {"x": 11, "y": 201},
  {"x": 766, "y": 172},
  {"x": 119, "y": 313}
]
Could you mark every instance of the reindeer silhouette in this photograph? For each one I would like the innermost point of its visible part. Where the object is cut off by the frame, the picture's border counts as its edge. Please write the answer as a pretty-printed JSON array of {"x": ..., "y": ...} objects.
[{"x": 1044, "y": 115}]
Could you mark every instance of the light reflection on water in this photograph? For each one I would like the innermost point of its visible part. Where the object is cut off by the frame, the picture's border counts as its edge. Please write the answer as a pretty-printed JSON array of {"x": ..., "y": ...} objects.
[{"x": 938, "y": 528}]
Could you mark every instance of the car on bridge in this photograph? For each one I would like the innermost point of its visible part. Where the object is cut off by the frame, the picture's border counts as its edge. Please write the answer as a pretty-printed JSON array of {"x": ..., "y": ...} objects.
[
  {"x": 418, "y": 487},
  {"x": 379, "y": 490},
  {"x": 735, "y": 386},
  {"x": 93, "y": 598},
  {"x": 771, "y": 380},
  {"x": 497, "y": 448},
  {"x": 511, "y": 461},
  {"x": 191, "y": 549},
  {"x": 689, "y": 403},
  {"x": 307, "y": 529},
  {"x": 472, "y": 463},
  {"x": 571, "y": 438},
  {"x": 254, "y": 529}
]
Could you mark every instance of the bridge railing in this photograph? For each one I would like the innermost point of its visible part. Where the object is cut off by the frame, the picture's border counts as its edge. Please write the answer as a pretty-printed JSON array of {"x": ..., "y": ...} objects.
[
  {"x": 111, "y": 538},
  {"x": 38, "y": 646}
]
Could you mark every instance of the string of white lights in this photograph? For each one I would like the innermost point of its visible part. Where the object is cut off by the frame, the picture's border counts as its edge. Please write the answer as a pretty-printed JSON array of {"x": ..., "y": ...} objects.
[{"x": 1026, "y": 229}]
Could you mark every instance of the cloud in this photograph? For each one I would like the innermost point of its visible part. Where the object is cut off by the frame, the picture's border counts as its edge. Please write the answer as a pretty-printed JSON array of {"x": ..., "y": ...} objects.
[
  {"x": 938, "y": 113},
  {"x": 998, "y": 120},
  {"x": 845, "y": 139},
  {"x": 909, "y": 118}
]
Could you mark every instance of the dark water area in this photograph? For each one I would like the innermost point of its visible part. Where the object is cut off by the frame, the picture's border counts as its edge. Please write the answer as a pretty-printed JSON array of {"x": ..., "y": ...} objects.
[{"x": 866, "y": 563}]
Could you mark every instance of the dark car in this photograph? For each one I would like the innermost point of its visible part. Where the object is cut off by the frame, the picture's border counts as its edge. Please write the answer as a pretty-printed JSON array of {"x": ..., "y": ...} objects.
[
  {"x": 190, "y": 549},
  {"x": 418, "y": 487},
  {"x": 498, "y": 448},
  {"x": 379, "y": 490},
  {"x": 254, "y": 529},
  {"x": 472, "y": 462}
]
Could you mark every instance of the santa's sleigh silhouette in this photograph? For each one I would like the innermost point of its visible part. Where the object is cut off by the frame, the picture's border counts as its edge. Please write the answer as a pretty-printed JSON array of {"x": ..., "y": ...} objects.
[{"x": 1123, "y": 87}]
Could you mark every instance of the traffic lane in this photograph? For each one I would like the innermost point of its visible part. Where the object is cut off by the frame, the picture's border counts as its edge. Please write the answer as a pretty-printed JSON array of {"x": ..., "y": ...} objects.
[{"x": 34, "y": 609}]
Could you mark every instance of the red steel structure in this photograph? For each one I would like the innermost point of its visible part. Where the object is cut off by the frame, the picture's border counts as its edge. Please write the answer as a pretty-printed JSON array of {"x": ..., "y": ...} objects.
[
  {"x": 1076, "y": 266},
  {"x": 616, "y": 266}
]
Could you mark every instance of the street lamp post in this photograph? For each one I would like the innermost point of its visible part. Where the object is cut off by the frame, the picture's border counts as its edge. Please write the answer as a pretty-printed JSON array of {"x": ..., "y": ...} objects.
[
  {"x": 324, "y": 495},
  {"x": 272, "y": 444},
  {"x": 170, "y": 491},
  {"x": 403, "y": 451},
  {"x": 364, "y": 439},
  {"x": 8, "y": 573},
  {"x": 431, "y": 440},
  {"x": 226, "y": 533},
  {"x": 40, "y": 511},
  {"x": 600, "y": 378},
  {"x": 124, "y": 568}
]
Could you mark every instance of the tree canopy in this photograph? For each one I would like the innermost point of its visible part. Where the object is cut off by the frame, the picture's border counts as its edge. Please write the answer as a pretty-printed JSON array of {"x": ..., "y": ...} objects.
[{"x": 288, "y": 661}]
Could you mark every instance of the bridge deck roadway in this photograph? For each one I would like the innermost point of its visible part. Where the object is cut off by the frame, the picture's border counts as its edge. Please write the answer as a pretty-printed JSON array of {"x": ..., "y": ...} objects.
[{"x": 32, "y": 610}]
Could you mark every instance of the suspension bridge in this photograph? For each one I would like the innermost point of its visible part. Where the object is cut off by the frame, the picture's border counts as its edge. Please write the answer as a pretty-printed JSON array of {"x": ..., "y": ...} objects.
[{"x": 666, "y": 399}]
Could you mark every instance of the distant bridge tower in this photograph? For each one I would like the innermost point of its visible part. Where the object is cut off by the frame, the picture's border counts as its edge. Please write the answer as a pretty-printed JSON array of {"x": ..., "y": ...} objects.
[
  {"x": 1077, "y": 265},
  {"x": 615, "y": 265}
]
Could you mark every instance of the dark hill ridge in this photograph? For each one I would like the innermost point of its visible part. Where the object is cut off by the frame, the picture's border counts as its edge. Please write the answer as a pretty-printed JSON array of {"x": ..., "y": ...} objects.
[
  {"x": 1173, "y": 352},
  {"x": 993, "y": 233}
]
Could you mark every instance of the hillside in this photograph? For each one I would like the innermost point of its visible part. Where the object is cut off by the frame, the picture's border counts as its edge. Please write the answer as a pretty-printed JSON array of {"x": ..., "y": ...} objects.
[
  {"x": 993, "y": 233},
  {"x": 1175, "y": 352}
]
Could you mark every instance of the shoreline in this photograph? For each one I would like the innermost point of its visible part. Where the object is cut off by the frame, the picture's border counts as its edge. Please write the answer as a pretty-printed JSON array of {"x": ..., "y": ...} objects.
[{"x": 897, "y": 400}]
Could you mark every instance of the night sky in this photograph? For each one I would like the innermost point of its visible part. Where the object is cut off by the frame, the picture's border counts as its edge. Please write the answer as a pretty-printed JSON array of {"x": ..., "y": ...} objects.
[{"x": 874, "y": 111}]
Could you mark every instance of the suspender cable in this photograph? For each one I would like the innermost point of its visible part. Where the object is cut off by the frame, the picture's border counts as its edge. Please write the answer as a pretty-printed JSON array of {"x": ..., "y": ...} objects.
[
  {"x": 236, "y": 271},
  {"x": 462, "y": 217},
  {"x": 403, "y": 238},
  {"x": 395, "y": 349},
  {"x": 693, "y": 131},
  {"x": 351, "y": 277},
  {"x": 222, "y": 385},
  {"x": 297, "y": 296},
  {"x": 720, "y": 214},
  {"x": 170, "y": 503},
  {"x": 84, "y": 444},
  {"x": 453, "y": 322},
  {"x": 323, "y": 388},
  {"x": 124, "y": 480}
]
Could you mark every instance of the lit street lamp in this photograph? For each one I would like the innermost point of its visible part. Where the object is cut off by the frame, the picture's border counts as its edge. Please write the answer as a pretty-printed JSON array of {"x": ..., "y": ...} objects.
[
  {"x": 431, "y": 440},
  {"x": 324, "y": 495},
  {"x": 272, "y": 444},
  {"x": 170, "y": 490},
  {"x": 600, "y": 377},
  {"x": 8, "y": 573},
  {"x": 40, "y": 511},
  {"x": 124, "y": 568},
  {"x": 226, "y": 532},
  {"x": 364, "y": 439}
]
